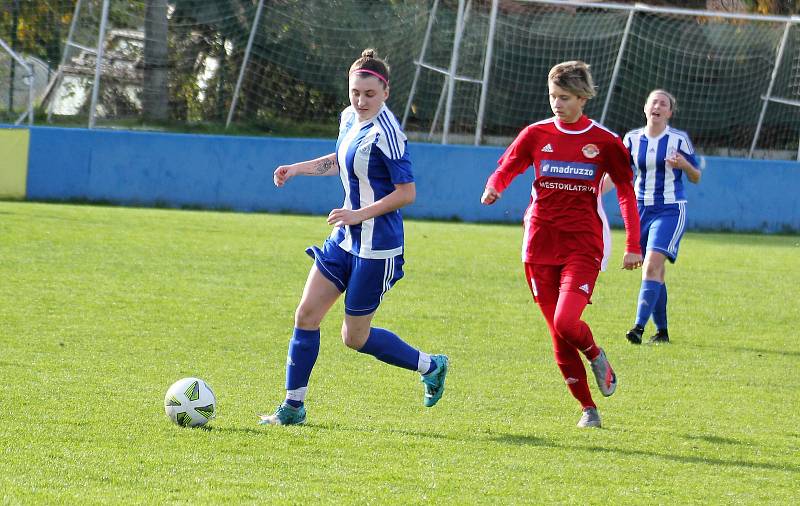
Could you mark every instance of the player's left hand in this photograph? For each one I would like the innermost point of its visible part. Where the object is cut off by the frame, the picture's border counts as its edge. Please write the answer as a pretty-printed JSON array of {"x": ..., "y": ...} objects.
[
  {"x": 677, "y": 161},
  {"x": 632, "y": 261},
  {"x": 490, "y": 196},
  {"x": 341, "y": 217}
]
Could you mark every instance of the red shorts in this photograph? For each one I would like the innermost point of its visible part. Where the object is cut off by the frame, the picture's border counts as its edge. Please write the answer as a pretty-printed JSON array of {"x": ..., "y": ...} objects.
[{"x": 578, "y": 275}]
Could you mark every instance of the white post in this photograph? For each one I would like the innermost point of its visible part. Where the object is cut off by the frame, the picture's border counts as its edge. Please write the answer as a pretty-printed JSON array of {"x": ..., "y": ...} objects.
[
  {"x": 31, "y": 84},
  {"x": 29, "y": 70},
  {"x": 442, "y": 96},
  {"x": 425, "y": 41},
  {"x": 244, "y": 62},
  {"x": 451, "y": 84},
  {"x": 446, "y": 82},
  {"x": 100, "y": 49},
  {"x": 778, "y": 59},
  {"x": 487, "y": 66},
  {"x": 55, "y": 82},
  {"x": 617, "y": 64}
]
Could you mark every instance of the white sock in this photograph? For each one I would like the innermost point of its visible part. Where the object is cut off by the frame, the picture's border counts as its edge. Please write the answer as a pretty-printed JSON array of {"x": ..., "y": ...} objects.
[
  {"x": 298, "y": 394},
  {"x": 423, "y": 363}
]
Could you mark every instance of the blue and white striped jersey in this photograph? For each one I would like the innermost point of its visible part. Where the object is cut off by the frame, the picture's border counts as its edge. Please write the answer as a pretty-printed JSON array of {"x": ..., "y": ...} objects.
[
  {"x": 657, "y": 184},
  {"x": 372, "y": 159}
]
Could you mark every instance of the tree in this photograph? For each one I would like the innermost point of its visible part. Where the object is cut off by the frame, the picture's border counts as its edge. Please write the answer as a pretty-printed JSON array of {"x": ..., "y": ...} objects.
[
  {"x": 783, "y": 7},
  {"x": 38, "y": 27}
]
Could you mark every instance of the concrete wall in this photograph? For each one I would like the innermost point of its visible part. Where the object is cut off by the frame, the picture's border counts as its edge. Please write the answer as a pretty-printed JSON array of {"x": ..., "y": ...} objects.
[{"x": 221, "y": 172}]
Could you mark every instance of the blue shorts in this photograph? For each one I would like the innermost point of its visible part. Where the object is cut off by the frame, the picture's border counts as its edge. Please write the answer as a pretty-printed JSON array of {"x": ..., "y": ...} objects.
[
  {"x": 364, "y": 281},
  {"x": 662, "y": 228}
]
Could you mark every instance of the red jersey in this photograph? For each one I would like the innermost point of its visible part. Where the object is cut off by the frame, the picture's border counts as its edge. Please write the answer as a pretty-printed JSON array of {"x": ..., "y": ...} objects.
[{"x": 565, "y": 216}]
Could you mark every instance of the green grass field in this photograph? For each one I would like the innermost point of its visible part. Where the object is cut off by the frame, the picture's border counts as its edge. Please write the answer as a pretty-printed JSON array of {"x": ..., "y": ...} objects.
[{"x": 101, "y": 309}]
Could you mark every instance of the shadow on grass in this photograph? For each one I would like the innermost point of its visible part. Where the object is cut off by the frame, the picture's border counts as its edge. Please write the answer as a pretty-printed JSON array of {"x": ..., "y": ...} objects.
[
  {"x": 519, "y": 440},
  {"x": 54, "y": 217},
  {"x": 525, "y": 440},
  {"x": 712, "y": 439},
  {"x": 403, "y": 432},
  {"x": 747, "y": 238},
  {"x": 240, "y": 430},
  {"x": 688, "y": 459},
  {"x": 758, "y": 351},
  {"x": 340, "y": 428},
  {"x": 522, "y": 440}
]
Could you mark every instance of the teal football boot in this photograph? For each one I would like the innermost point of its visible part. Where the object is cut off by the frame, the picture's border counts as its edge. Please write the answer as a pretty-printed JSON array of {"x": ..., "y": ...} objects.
[
  {"x": 434, "y": 382},
  {"x": 285, "y": 415}
]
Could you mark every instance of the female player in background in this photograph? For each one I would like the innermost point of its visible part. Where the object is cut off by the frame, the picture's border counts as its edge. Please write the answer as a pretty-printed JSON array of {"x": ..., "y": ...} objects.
[
  {"x": 363, "y": 256},
  {"x": 660, "y": 155},
  {"x": 567, "y": 241}
]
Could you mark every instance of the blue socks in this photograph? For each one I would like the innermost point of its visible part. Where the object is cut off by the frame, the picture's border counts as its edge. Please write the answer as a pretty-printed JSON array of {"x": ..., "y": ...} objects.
[
  {"x": 388, "y": 347},
  {"x": 381, "y": 344},
  {"x": 660, "y": 310},
  {"x": 648, "y": 296},
  {"x": 303, "y": 351}
]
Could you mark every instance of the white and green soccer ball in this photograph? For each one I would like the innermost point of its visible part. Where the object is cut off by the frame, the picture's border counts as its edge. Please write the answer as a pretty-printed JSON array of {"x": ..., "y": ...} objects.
[{"x": 190, "y": 402}]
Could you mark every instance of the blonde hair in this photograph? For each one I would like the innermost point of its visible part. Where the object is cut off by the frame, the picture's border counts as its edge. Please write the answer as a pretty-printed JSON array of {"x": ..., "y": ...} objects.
[
  {"x": 673, "y": 102},
  {"x": 574, "y": 77}
]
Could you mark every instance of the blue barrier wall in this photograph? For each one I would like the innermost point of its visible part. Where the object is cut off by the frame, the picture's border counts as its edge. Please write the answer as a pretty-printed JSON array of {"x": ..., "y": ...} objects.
[
  {"x": 739, "y": 195},
  {"x": 220, "y": 172}
]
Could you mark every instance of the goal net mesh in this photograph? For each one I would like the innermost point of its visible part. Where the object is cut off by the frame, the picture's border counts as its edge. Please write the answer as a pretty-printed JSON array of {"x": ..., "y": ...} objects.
[{"x": 179, "y": 61}]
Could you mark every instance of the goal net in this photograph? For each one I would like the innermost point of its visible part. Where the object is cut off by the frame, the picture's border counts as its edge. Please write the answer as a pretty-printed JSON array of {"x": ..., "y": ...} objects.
[
  {"x": 460, "y": 70},
  {"x": 17, "y": 81},
  {"x": 720, "y": 69},
  {"x": 192, "y": 52}
]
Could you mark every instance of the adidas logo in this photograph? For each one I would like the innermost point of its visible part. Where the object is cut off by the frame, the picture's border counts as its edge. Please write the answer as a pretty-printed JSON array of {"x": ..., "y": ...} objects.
[
  {"x": 584, "y": 287},
  {"x": 547, "y": 148},
  {"x": 289, "y": 361}
]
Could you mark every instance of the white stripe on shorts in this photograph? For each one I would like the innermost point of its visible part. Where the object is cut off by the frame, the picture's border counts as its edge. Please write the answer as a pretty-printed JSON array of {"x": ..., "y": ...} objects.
[
  {"x": 388, "y": 273},
  {"x": 672, "y": 248}
]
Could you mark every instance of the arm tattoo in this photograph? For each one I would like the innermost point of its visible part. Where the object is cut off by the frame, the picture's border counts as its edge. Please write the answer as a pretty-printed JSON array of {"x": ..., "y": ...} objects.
[{"x": 323, "y": 166}]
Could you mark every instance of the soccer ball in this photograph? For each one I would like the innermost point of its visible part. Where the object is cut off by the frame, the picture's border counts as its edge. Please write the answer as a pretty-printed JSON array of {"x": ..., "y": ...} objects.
[{"x": 190, "y": 402}]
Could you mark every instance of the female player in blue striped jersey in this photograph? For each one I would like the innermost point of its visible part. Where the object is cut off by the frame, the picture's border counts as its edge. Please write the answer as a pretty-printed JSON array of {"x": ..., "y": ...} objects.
[
  {"x": 660, "y": 155},
  {"x": 363, "y": 256}
]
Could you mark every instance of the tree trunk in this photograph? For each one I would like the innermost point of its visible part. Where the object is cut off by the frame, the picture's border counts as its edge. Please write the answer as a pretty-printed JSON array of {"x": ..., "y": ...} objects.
[{"x": 155, "y": 95}]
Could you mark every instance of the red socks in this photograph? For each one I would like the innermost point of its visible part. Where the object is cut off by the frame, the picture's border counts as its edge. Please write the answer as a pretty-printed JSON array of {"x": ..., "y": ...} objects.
[{"x": 570, "y": 334}]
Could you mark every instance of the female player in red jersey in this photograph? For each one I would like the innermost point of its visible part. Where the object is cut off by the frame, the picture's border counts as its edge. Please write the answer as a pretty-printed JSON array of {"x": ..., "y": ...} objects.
[{"x": 567, "y": 239}]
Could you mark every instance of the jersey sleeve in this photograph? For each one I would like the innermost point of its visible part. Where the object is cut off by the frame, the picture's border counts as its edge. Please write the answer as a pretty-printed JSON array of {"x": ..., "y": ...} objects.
[
  {"x": 391, "y": 140},
  {"x": 345, "y": 117},
  {"x": 687, "y": 150},
  {"x": 399, "y": 169},
  {"x": 619, "y": 169},
  {"x": 392, "y": 145},
  {"x": 634, "y": 136},
  {"x": 627, "y": 141},
  {"x": 515, "y": 161}
]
